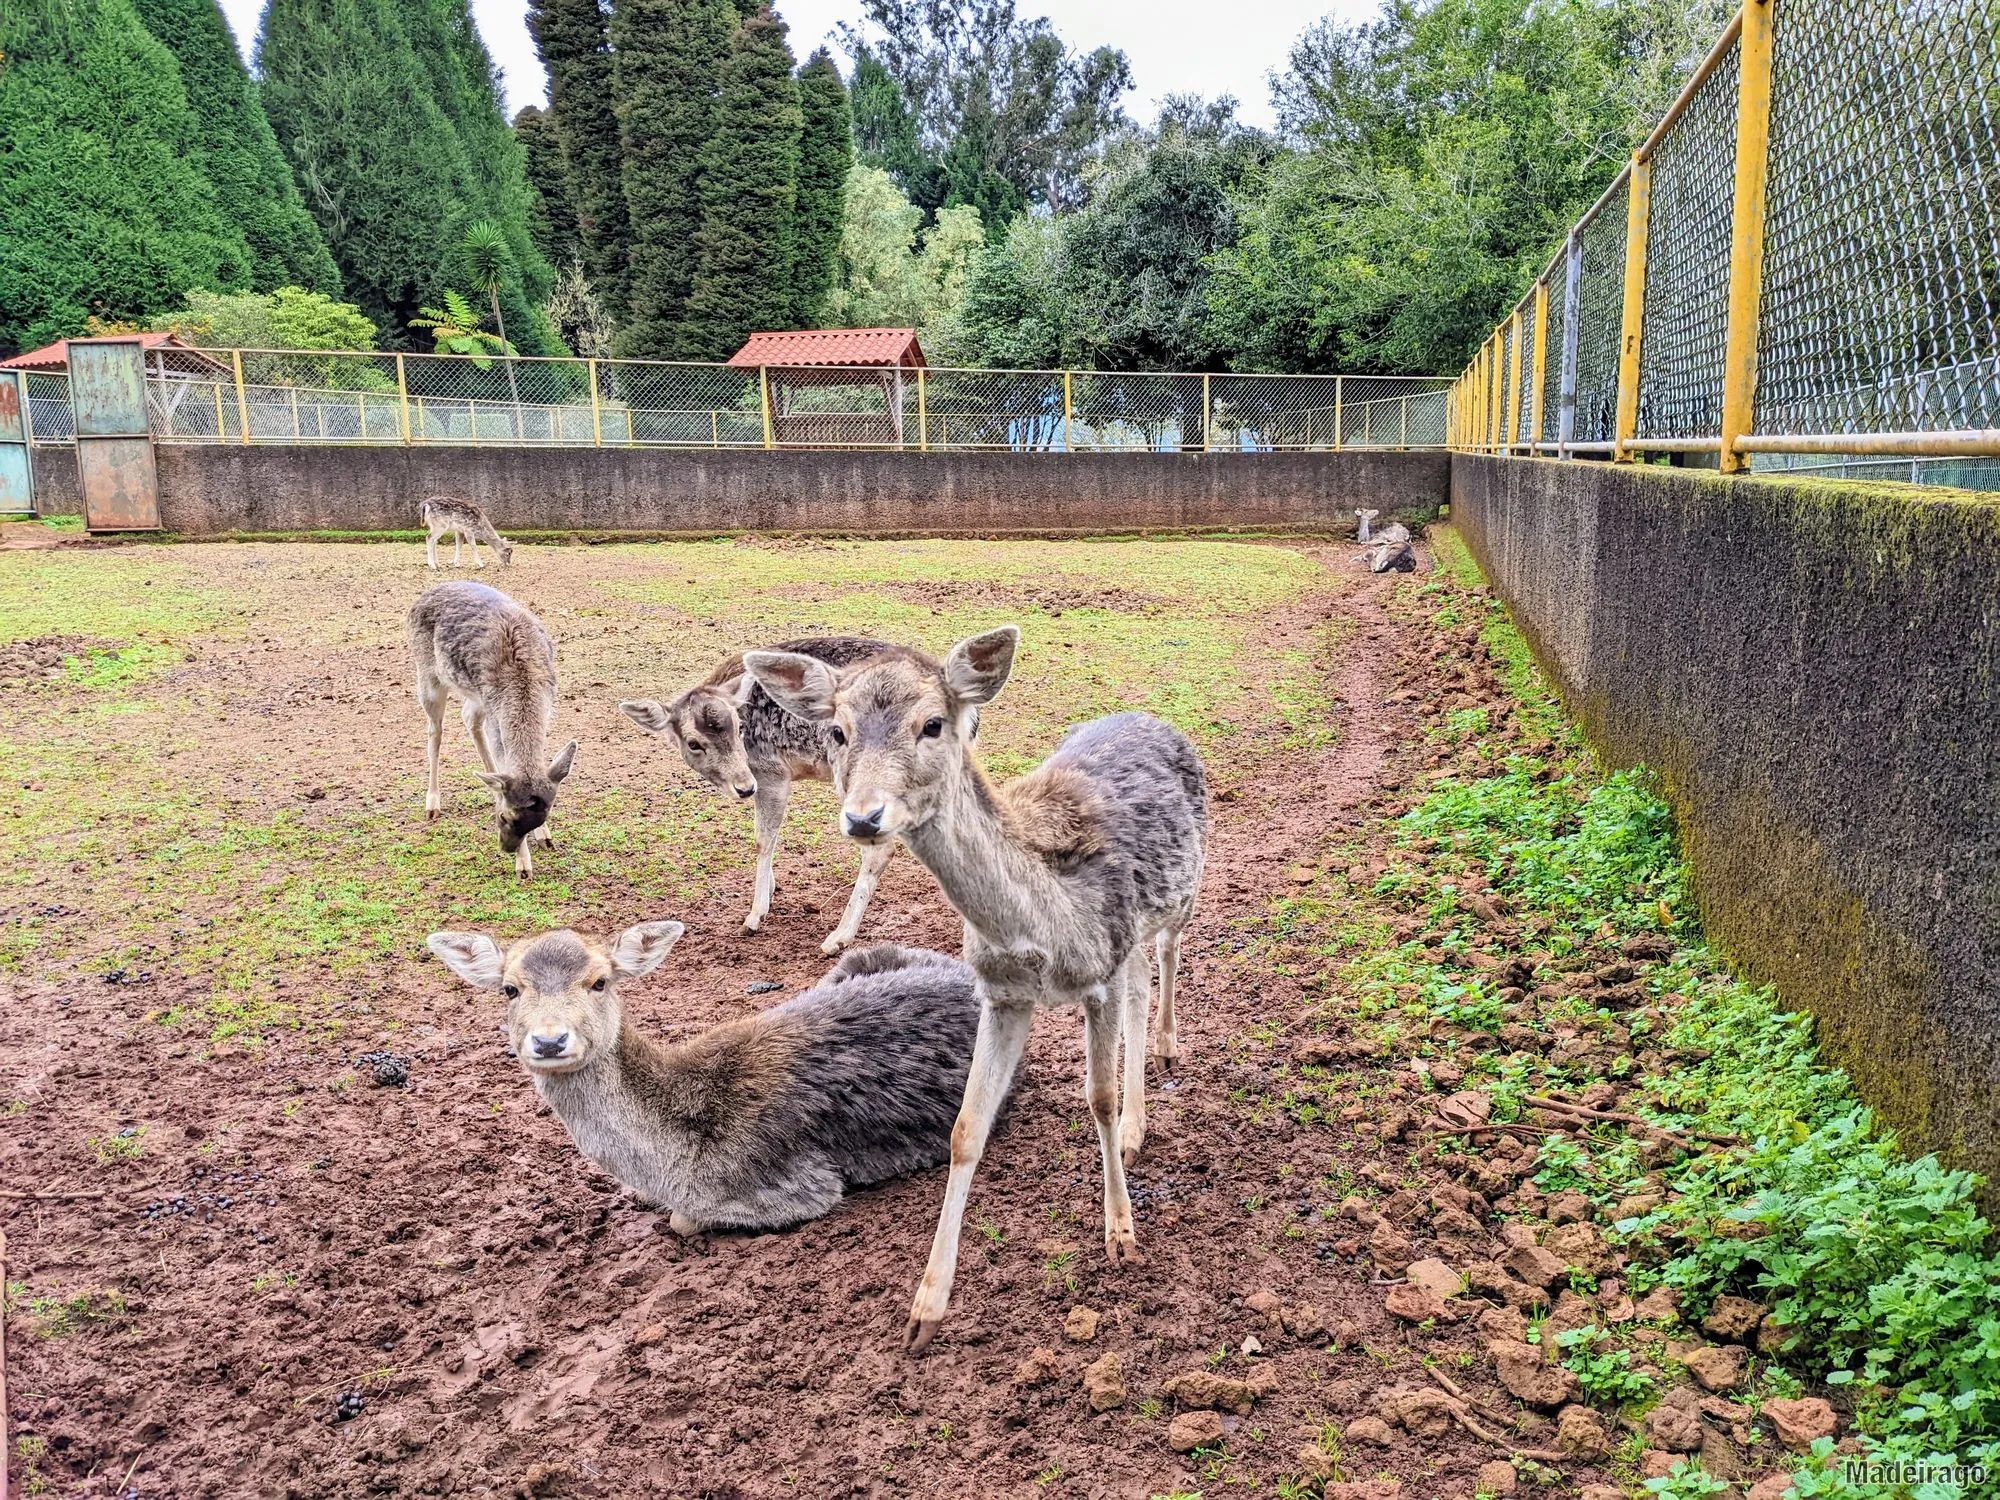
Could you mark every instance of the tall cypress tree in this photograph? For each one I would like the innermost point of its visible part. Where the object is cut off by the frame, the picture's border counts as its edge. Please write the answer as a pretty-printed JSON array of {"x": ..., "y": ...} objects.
[
  {"x": 551, "y": 218},
  {"x": 670, "y": 55},
  {"x": 573, "y": 41},
  {"x": 826, "y": 153},
  {"x": 237, "y": 151},
  {"x": 382, "y": 168},
  {"x": 749, "y": 182},
  {"x": 104, "y": 205}
]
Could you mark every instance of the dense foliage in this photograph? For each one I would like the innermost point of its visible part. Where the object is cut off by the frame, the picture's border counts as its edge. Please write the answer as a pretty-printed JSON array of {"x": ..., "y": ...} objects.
[
  {"x": 237, "y": 151},
  {"x": 551, "y": 217},
  {"x": 573, "y": 39},
  {"x": 826, "y": 156},
  {"x": 291, "y": 317},
  {"x": 104, "y": 207}
]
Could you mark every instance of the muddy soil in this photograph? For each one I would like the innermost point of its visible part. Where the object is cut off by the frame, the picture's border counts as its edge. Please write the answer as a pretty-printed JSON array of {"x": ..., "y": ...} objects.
[{"x": 420, "y": 1287}]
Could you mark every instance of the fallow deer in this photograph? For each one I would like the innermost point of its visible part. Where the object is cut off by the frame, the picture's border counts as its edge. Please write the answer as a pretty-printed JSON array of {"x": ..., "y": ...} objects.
[
  {"x": 756, "y": 1124},
  {"x": 473, "y": 641},
  {"x": 465, "y": 523},
  {"x": 737, "y": 740},
  {"x": 1064, "y": 878}
]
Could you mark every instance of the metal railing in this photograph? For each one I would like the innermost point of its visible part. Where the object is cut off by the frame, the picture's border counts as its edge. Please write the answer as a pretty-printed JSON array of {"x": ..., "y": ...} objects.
[
  {"x": 1802, "y": 258},
  {"x": 260, "y": 396}
]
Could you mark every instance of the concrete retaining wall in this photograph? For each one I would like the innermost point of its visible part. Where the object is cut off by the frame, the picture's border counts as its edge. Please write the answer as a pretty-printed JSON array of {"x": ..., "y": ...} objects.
[
  {"x": 213, "y": 491},
  {"x": 1814, "y": 667}
]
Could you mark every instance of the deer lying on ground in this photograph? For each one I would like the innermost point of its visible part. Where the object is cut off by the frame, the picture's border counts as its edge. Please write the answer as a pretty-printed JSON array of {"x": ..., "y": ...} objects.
[
  {"x": 755, "y": 1124},
  {"x": 1392, "y": 551},
  {"x": 735, "y": 738},
  {"x": 463, "y": 522},
  {"x": 475, "y": 642},
  {"x": 1065, "y": 877}
]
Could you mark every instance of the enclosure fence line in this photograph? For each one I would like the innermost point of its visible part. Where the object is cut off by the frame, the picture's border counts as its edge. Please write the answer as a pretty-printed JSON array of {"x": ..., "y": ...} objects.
[
  {"x": 1802, "y": 258},
  {"x": 264, "y": 396}
]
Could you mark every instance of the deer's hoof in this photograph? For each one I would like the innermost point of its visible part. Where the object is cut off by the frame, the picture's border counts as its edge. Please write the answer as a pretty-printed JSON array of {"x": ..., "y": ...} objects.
[
  {"x": 834, "y": 943},
  {"x": 751, "y": 924},
  {"x": 682, "y": 1225},
  {"x": 1130, "y": 1156},
  {"x": 1163, "y": 1061},
  {"x": 1121, "y": 1248},
  {"x": 918, "y": 1333}
]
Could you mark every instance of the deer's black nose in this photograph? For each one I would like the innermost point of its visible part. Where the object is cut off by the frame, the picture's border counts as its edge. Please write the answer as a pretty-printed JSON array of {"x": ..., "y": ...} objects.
[
  {"x": 865, "y": 826},
  {"x": 746, "y": 791},
  {"x": 550, "y": 1046}
]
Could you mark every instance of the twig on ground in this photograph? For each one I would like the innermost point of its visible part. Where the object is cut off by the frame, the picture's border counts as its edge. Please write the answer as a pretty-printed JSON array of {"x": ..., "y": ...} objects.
[
  {"x": 1535, "y": 1101},
  {"x": 53, "y": 1197},
  {"x": 1541, "y": 1455}
]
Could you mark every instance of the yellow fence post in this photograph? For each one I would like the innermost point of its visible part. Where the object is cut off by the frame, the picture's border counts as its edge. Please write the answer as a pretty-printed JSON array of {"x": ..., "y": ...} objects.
[
  {"x": 402, "y": 402},
  {"x": 596, "y": 410},
  {"x": 1746, "y": 232},
  {"x": 1206, "y": 408},
  {"x": 764, "y": 394},
  {"x": 923, "y": 414},
  {"x": 1339, "y": 416},
  {"x": 1517, "y": 385},
  {"x": 1541, "y": 366},
  {"x": 1638, "y": 214},
  {"x": 216, "y": 387},
  {"x": 242, "y": 403},
  {"x": 1068, "y": 447}
]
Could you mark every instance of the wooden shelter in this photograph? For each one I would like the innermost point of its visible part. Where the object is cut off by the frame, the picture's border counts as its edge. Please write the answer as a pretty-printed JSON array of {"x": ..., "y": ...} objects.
[{"x": 834, "y": 387}]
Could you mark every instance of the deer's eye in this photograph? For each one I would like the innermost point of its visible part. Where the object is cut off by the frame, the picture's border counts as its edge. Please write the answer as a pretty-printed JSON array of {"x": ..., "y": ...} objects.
[
  {"x": 933, "y": 728},
  {"x": 696, "y": 746},
  {"x": 511, "y": 991},
  {"x": 839, "y": 735},
  {"x": 598, "y": 988}
]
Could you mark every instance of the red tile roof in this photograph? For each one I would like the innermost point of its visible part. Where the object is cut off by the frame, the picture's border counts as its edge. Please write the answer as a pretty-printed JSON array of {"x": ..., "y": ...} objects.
[
  {"x": 56, "y": 356},
  {"x": 832, "y": 346}
]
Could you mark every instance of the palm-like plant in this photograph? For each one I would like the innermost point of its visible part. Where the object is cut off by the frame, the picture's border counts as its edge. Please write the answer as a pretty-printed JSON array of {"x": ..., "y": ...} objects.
[
  {"x": 455, "y": 328},
  {"x": 488, "y": 260}
]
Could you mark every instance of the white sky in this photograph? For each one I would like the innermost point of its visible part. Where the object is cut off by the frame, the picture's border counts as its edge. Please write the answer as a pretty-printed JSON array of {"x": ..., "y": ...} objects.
[{"x": 1176, "y": 46}]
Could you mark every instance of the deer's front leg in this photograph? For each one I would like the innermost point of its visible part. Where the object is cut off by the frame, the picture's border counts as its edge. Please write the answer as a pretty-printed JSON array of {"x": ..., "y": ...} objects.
[
  {"x": 772, "y": 796},
  {"x": 873, "y": 858},
  {"x": 996, "y": 1053},
  {"x": 1132, "y": 1111},
  {"x": 1101, "y": 1018},
  {"x": 431, "y": 552}
]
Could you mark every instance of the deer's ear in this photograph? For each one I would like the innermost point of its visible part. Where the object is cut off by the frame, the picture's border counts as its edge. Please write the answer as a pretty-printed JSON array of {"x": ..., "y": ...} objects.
[
  {"x": 565, "y": 758},
  {"x": 493, "y": 779},
  {"x": 798, "y": 684},
  {"x": 647, "y": 714},
  {"x": 637, "y": 951},
  {"x": 976, "y": 669},
  {"x": 472, "y": 956}
]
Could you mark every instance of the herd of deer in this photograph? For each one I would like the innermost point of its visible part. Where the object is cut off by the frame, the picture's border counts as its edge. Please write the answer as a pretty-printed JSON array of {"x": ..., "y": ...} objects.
[{"x": 1073, "y": 881}]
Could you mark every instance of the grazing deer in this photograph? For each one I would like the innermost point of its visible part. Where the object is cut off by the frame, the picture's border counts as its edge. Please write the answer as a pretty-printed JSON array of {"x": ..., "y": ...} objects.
[
  {"x": 1065, "y": 877},
  {"x": 474, "y": 641},
  {"x": 735, "y": 738},
  {"x": 755, "y": 1124},
  {"x": 463, "y": 522}
]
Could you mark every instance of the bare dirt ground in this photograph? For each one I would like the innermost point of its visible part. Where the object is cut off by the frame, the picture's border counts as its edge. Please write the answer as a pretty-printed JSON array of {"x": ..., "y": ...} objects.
[{"x": 222, "y": 1230}]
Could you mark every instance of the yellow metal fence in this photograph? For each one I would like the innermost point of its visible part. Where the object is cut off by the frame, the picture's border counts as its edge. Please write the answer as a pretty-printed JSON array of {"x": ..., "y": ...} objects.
[
  {"x": 256, "y": 396},
  {"x": 1802, "y": 258}
]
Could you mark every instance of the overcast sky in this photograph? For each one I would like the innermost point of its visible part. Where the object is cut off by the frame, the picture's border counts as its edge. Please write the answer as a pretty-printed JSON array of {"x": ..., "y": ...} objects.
[{"x": 1176, "y": 46}]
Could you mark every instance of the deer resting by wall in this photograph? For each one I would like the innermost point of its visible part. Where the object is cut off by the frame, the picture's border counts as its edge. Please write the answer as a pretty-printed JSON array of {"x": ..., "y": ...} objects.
[
  {"x": 1065, "y": 877},
  {"x": 755, "y": 1124}
]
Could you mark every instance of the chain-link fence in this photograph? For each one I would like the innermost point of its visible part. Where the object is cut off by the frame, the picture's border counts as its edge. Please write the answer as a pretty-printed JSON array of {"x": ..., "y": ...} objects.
[
  {"x": 1803, "y": 258},
  {"x": 258, "y": 396}
]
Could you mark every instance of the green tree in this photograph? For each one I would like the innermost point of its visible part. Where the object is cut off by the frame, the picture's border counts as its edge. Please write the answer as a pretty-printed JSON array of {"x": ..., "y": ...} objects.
[
  {"x": 490, "y": 263},
  {"x": 749, "y": 184},
  {"x": 291, "y": 317},
  {"x": 382, "y": 168},
  {"x": 551, "y": 218},
  {"x": 1011, "y": 315},
  {"x": 238, "y": 152},
  {"x": 573, "y": 39},
  {"x": 103, "y": 204},
  {"x": 455, "y": 329},
  {"x": 890, "y": 275},
  {"x": 670, "y": 57},
  {"x": 885, "y": 127},
  {"x": 826, "y": 155}
]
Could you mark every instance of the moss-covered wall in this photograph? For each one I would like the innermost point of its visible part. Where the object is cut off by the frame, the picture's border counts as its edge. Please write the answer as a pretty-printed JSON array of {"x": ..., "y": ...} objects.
[{"x": 1814, "y": 667}]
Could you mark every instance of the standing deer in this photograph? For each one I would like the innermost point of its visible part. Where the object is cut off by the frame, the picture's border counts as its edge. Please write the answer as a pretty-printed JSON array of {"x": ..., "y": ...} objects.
[
  {"x": 1064, "y": 877},
  {"x": 465, "y": 523},
  {"x": 755, "y": 1124},
  {"x": 474, "y": 641},
  {"x": 735, "y": 738}
]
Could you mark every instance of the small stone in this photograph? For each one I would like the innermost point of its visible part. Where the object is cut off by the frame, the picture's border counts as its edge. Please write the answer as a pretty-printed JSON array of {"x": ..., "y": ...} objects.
[
  {"x": 1041, "y": 1367},
  {"x": 763, "y": 987},
  {"x": 1209, "y": 1391},
  {"x": 1372, "y": 1431},
  {"x": 1250, "y": 1345},
  {"x": 1366, "y": 1489},
  {"x": 1771, "y": 1487},
  {"x": 1346, "y": 1333},
  {"x": 1568, "y": 1208},
  {"x": 1303, "y": 1321},
  {"x": 651, "y": 1334},
  {"x": 1316, "y": 1464},
  {"x": 1422, "y": 1413},
  {"x": 1104, "y": 1383},
  {"x": 1580, "y": 1247},
  {"x": 1389, "y": 1249},
  {"x": 1570, "y": 1312},
  {"x": 1774, "y": 1338},
  {"x": 1800, "y": 1423},
  {"x": 1504, "y": 1324},
  {"x": 1435, "y": 1277},
  {"x": 1262, "y": 1378},
  {"x": 1717, "y": 1367},
  {"x": 1194, "y": 1429},
  {"x": 1636, "y": 1205},
  {"x": 1534, "y": 1265},
  {"x": 1673, "y": 1428},
  {"x": 1080, "y": 1327},
  {"x": 1517, "y": 1236},
  {"x": 1413, "y": 1304},
  {"x": 1732, "y": 1318},
  {"x": 1661, "y": 1305},
  {"x": 1580, "y": 1431},
  {"x": 1497, "y": 1479},
  {"x": 1601, "y": 1492},
  {"x": 1264, "y": 1302},
  {"x": 1654, "y": 1464},
  {"x": 1528, "y": 1376}
]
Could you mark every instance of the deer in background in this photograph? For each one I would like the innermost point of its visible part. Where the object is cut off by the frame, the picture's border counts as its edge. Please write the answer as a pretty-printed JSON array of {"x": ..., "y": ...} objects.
[
  {"x": 737, "y": 740},
  {"x": 755, "y": 1124},
  {"x": 474, "y": 641},
  {"x": 463, "y": 522},
  {"x": 1065, "y": 877}
]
